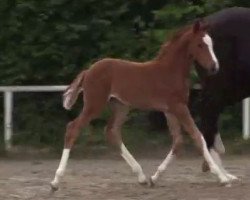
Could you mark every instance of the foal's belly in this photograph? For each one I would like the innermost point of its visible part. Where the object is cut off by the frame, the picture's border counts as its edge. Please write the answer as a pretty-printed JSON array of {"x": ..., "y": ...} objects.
[
  {"x": 142, "y": 104},
  {"x": 144, "y": 93},
  {"x": 144, "y": 98}
]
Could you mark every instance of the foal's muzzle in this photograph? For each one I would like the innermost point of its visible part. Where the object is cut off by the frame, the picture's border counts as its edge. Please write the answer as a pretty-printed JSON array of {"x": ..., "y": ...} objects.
[{"x": 213, "y": 69}]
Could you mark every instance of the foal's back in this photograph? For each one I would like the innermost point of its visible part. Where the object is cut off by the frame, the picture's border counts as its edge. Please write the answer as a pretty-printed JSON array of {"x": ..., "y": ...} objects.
[{"x": 133, "y": 83}]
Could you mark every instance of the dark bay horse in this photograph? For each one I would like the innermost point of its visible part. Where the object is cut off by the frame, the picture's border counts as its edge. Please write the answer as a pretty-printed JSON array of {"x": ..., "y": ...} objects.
[
  {"x": 160, "y": 84},
  {"x": 230, "y": 31}
]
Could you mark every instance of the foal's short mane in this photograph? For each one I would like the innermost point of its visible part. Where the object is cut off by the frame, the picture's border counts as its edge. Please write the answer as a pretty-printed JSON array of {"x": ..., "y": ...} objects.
[{"x": 176, "y": 35}]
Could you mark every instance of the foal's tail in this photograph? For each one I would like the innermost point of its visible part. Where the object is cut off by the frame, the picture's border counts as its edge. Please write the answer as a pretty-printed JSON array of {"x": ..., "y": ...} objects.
[{"x": 71, "y": 93}]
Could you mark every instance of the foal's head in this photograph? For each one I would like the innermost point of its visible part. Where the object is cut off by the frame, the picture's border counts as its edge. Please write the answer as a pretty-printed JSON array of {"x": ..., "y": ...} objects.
[{"x": 201, "y": 47}]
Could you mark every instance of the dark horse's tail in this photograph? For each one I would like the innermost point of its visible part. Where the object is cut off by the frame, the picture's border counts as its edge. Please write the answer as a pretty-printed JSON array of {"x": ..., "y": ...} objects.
[{"x": 71, "y": 93}]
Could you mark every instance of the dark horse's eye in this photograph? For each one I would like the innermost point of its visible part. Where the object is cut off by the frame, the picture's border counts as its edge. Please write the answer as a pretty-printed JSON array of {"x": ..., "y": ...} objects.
[{"x": 200, "y": 45}]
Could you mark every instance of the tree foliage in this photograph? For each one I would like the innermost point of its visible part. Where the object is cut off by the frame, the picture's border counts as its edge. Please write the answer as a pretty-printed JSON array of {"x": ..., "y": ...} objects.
[{"x": 49, "y": 42}]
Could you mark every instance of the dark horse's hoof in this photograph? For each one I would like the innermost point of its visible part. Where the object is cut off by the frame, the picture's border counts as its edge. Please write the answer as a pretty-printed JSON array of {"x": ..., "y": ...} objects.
[
  {"x": 151, "y": 182},
  {"x": 205, "y": 167}
]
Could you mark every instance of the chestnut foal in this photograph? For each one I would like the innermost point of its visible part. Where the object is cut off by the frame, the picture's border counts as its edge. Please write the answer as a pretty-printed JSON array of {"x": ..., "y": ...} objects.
[{"x": 160, "y": 84}]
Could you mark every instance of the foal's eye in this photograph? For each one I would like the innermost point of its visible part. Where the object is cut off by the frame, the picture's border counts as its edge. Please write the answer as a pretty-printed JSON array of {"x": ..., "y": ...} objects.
[{"x": 200, "y": 45}]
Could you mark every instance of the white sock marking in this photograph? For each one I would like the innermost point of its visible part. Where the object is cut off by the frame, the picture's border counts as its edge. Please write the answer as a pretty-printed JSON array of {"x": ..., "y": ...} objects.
[
  {"x": 136, "y": 168},
  {"x": 217, "y": 159},
  {"x": 213, "y": 166},
  {"x": 208, "y": 40},
  {"x": 163, "y": 166},
  {"x": 218, "y": 144},
  {"x": 62, "y": 166}
]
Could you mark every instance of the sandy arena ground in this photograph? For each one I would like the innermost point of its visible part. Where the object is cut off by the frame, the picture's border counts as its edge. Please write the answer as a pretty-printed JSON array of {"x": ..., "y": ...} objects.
[{"x": 111, "y": 179}]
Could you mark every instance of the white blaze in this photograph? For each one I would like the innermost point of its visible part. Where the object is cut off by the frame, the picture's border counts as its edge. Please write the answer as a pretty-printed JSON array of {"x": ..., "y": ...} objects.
[{"x": 208, "y": 41}]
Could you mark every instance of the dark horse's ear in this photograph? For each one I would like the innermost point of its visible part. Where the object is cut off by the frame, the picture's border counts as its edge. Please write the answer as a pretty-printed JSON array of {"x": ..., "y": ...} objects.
[
  {"x": 200, "y": 25},
  {"x": 197, "y": 26},
  {"x": 205, "y": 26}
]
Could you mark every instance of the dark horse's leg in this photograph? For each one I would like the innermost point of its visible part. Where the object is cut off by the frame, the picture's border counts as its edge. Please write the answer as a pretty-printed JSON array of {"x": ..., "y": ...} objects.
[
  {"x": 210, "y": 112},
  {"x": 182, "y": 113}
]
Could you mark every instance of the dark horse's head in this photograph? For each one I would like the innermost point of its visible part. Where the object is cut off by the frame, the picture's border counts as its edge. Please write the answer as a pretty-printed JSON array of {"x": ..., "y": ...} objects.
[{"x": 201, "y": 48}]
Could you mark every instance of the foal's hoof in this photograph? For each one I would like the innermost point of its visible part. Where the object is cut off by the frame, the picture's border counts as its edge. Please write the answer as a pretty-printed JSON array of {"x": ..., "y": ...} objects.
[
  {"x": 205, "y": 167},
  {"x": 143, "y": 180},
  {"x": 53, "y": 188},
  {"x": 233, "y": 178},
  {"x": 143, "y": 183},
  {"x": 226, "y": 183}
]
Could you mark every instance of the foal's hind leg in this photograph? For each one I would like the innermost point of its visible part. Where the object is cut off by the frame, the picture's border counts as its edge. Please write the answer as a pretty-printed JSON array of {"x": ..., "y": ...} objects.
[
  {"x": 175, "y": 130},
  {"x": 72, "y": 132},
  {"x": 113, "y": 134},
  {"x": 183, "y": 115}
]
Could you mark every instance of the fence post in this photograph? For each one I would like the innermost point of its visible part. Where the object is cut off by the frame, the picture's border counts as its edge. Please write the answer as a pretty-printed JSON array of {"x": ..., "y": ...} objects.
[
  {"x": 8, "y": 106},
  {"x": 246, "y": 118}
]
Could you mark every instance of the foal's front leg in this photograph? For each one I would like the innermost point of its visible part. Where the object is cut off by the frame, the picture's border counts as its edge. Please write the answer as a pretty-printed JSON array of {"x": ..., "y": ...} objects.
[
  {"x": 213, "y": 139},
  {"x": 218, "y": 161},
  {"x": 182, "y": 113},
  {"x": 175, "y": 131}
]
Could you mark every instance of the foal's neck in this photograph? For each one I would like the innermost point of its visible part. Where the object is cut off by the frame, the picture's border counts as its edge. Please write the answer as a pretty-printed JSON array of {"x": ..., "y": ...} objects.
[{"x": 174, "y": 56}]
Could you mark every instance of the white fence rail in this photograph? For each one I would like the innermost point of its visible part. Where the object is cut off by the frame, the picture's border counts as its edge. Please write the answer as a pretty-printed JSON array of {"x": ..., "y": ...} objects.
[
  {"x": 246, "y": 118},
  {"x": 8, "y": 107}
]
